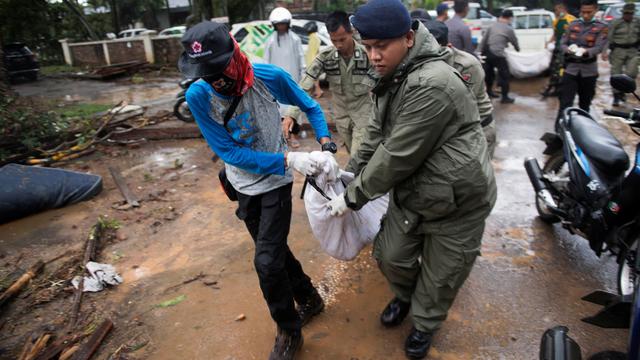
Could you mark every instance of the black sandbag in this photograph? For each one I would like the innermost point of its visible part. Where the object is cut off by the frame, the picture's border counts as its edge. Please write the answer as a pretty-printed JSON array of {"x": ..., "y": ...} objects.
[{"x": 27, "y": 190}]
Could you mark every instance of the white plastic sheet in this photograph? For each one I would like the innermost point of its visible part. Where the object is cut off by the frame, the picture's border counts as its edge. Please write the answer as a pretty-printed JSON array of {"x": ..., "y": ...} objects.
[
  {"x": 527, "y": 64},
  {"x": 341, "y": 237}
]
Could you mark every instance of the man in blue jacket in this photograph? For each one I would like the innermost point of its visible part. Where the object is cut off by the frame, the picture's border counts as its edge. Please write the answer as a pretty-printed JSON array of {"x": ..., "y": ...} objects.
[{"x": 251, "y": 143}]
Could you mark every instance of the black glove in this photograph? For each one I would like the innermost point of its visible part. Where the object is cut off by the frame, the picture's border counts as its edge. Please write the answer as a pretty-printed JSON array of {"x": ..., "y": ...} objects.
[{"x": 330, "y": 147}]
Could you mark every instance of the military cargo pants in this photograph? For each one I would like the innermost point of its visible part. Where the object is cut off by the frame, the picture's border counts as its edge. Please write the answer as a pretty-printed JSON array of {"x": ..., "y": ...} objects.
[
  {"x": 624, "y": 61},
  {"x": 489, "y": 131},
  {"x": 426, "y": 268},
  {"x": 351, "y": 133}
]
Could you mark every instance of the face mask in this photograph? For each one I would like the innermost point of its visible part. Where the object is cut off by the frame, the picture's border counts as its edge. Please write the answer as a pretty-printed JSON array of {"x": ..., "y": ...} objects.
[
  {"x": 222, "y": 83},
  {"x": 561, "y": 14}
]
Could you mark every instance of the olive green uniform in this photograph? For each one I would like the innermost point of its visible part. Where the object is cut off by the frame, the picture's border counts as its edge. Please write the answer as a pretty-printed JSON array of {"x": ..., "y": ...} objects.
[
  {"x": 623, "y": 41},
  {"x": 426, "y": 148},
  {"x": 472, "y": 72},
  {"x": 350, "y": 85}
]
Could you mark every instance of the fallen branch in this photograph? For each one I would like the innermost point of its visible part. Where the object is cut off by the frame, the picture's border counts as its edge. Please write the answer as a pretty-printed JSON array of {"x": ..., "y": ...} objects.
[
  {"x": 59, "y": 347},
  {"x": 21, "y": 282},
  {"x": 88, "y": 349},
  {"x": 201, "y": 275},
  {"x": 29, "y": 351},
  {"x": 188, "y": 131},
  {"x": 89, "y": 254}
]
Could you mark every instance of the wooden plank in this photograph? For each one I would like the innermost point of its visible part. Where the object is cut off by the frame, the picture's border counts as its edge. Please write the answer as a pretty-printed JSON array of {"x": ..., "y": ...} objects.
[
  {"x": 87, "y": 350},
  {"x": 89, "y": 254},
  {"x": 123, "y": 187}
]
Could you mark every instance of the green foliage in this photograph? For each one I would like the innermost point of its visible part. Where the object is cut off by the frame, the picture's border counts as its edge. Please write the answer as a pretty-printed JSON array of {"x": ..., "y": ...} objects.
[
  {"x": 22, "y": 125},
  {"x": 107, "y": 223},
  {"x": 172, "y": 302},
  {"x": 58, "y": 69},
  {"x": 81, "y": 110}
]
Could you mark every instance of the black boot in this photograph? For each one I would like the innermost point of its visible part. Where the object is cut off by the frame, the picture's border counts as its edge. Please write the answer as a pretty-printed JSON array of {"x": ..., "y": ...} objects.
[
  {"x": 507, "y": 100},
  {"x": 616, "y": 100},
  {"x": 493, "y": 95},
  {"x": 310, "y": 308},
  {"x": 288, "y": 342},
  {"x": 417, "y": 344},
  {"x": 394, "y": 313}
]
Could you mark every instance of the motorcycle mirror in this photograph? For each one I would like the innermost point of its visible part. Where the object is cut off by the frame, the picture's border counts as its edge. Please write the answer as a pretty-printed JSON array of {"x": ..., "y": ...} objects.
[{"x": 623, "y": 83}]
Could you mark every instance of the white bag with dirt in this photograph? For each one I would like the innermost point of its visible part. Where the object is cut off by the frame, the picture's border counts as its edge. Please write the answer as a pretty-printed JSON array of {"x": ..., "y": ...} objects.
[
  {"x": 342, "y": 237},
  {"x": 527, "y": 64}
]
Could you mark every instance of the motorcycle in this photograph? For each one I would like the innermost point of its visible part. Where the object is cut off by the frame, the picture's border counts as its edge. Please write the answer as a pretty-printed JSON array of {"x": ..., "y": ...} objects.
[
  {"x": 583, "y": 184},
  {"x": 181, "y": 108}
]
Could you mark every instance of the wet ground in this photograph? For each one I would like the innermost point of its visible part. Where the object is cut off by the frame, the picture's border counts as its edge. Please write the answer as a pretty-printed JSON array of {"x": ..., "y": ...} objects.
[{"x": 530, "y": 276}]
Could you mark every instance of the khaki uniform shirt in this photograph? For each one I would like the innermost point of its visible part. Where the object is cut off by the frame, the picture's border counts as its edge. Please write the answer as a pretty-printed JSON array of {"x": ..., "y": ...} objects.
[
  {"x": 471, "y": 70},
  {"x": 349, "y": 82},
  {"x": 624, "y": 33}
]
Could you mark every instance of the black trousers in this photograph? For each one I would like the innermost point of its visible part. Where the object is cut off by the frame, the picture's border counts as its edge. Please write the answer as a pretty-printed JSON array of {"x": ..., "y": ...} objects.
[
  {"x": 268, "y": 217},
  {"x": 492, "y": 61},
  {"x": 571, "y": 85}
]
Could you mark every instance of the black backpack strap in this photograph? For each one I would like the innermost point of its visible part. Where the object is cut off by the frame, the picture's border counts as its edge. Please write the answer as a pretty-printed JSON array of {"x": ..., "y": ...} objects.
[{"x": 231, "y": 110}]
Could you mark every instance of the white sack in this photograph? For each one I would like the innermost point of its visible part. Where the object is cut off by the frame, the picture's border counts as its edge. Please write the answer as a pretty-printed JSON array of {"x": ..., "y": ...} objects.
[
  {"x": 341, "y": 237},
  {"x": 527, "y": 64}
]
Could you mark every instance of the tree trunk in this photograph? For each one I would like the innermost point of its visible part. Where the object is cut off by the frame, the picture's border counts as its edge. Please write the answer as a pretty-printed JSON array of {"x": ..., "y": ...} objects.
[
  {"x": 84, "y": 22},
  {"x": 4, "y": 78},
  {"x": 114, "y": 16}
]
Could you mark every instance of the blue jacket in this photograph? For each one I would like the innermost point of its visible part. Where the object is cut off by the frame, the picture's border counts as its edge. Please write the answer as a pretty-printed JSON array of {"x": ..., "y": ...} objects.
[{"x": 231, "y": 149}]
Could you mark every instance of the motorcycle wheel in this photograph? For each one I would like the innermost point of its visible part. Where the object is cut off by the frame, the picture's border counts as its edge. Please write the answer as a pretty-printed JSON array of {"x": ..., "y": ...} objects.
[
  {"x": 626, "y": 273},
  {"x": 553, "y": 164},
  {"x": 181, "y": 110}
]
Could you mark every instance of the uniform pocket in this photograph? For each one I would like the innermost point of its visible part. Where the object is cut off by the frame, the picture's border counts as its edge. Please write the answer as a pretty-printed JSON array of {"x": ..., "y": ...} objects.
[
  {"x": 432, "y": 201},
  {"x": 454, "y": 266}
]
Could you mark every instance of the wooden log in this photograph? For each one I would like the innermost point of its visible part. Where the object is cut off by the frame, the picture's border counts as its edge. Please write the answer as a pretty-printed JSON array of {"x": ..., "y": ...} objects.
[
  {"x": 67, "y": 354},
  {"x": 30, "y": 351},
  {"x": 60, "y": 347},
  {"x": 88, "y": 349},
  {"x": 123, "y": 187},
  {"x": 15, "y": 288}
]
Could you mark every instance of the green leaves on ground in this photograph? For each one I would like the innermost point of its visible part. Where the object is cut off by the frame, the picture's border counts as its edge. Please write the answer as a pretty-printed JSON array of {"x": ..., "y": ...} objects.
[{"x": 172, "y": 302}]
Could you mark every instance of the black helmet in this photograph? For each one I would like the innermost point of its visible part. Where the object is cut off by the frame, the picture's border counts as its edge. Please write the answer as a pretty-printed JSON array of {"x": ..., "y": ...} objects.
[{"x": 311, "y": 27}]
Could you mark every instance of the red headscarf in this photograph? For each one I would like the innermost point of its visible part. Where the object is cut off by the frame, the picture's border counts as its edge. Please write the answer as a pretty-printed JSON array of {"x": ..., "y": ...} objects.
[{"x": 240, "y": 70}]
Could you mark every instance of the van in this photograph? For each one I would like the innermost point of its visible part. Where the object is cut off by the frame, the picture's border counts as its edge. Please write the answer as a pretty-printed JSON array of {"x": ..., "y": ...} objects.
[{"x": 533, "y": 28}]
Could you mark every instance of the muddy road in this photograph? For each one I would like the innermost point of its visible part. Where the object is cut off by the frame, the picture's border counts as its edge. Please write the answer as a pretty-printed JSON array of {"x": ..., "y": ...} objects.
[{"x": 530, "y": 276}]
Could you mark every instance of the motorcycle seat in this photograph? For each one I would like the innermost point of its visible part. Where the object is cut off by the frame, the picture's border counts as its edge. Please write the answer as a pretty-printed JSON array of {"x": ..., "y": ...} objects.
[{"x": 599, "y": 145}]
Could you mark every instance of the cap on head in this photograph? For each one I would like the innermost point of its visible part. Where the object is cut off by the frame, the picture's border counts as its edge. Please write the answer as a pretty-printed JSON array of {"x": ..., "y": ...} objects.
[
  {"x": 420, "y": 14},
  {"x": 382, "y": 19},
  {"x": 629, "y": 8},
  {"x": 506, "y": 14},
  {"x": 280, "y": 15},
  {"x": 208, "y": 48},
  {"x": 439, "y": 30},
  {"x": 442, "y": 7}
]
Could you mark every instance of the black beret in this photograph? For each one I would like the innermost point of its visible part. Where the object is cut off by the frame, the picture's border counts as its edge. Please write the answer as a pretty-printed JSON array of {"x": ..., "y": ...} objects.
[
  {"x": 208, "y": 48},
  {"x": 382, "y": 19},
  {"x": 439, "y": 30}
]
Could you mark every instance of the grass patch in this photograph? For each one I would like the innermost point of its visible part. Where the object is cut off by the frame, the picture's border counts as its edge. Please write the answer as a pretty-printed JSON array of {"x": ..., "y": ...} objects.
[
  {"x": 82, "y": 110},
  {"x": 58, "y": 69}
]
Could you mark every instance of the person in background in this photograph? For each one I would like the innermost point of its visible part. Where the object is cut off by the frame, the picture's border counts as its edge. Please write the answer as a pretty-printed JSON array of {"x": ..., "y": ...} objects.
[
  {"x": 472, "y": 72},
  {"x": 624, "y": 38},
  {"x": 442, "y": 11},
  {"x": 459, "y": 33},
  {"x": 494, "y": 42},
  {"x": 560, "y": 25},
  {"x": 233, "y": 105},
  {"x": 424, "y": 146},
  {"x": 581, "y": 43},
  {"x": 346, "y": 66},
  {"x": 284, "y": 49},
  {"x": 313, "y": 48}
]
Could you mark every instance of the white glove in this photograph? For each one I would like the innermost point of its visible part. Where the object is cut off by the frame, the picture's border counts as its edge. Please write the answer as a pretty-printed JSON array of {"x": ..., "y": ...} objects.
[
  {"x": 573, "y": 48},
  {"x": 302, "y": 163},
  {"x": 338, "y": 205}
]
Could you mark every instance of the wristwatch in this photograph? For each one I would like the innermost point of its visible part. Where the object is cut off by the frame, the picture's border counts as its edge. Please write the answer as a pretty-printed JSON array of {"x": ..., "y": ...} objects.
[{"x": 330, "y": 147}]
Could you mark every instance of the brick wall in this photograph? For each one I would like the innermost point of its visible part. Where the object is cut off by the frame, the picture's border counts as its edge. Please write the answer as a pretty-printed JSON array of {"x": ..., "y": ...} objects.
[
  {"x": 88, "y": 55},
  {"x": 125, "y": 51},
  {"x": 166, "y": 51}
]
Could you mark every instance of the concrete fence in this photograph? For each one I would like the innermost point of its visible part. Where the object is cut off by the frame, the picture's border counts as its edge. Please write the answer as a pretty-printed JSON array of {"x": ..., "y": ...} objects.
[{"x": 163, "y": 50}]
